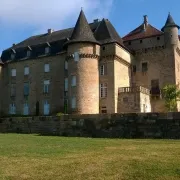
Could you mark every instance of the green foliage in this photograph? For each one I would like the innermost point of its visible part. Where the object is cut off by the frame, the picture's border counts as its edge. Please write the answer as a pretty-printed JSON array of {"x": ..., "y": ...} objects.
[
  {"x": 59, "y": 114},
  {"x": 171, "y": 94}
]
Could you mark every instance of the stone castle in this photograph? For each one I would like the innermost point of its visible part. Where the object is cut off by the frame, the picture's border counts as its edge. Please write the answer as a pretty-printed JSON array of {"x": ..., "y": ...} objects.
[{"x": 90, "y": 69}]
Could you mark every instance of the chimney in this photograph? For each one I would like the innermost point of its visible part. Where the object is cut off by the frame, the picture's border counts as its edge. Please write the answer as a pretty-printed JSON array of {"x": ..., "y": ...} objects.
[
  {"x": 145, "y": 20},
  {"x": 50, "y": 31},
  {"x": 96, "y": 20}
]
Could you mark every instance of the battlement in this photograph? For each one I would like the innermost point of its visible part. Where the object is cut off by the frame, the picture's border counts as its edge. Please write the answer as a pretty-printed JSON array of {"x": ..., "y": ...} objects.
[{"x": 133, "y": 90}]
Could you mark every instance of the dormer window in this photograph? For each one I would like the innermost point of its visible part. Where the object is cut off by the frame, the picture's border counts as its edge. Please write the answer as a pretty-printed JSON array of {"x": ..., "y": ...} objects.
[
  {"x": 28, "y": 53},
  {"x": 12, "y": 56},
  {"x": 47, "y": 50}
]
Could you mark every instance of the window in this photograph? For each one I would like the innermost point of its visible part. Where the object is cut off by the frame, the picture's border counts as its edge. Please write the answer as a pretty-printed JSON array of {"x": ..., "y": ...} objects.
[
  {"x": 141, "y": 41},
  {"x": 134, "y": 68},
  {"x": 144, "y": 67},
  {"x": 13, "y": 90},
  {"x": 76, "y": 56},
  {"x": 26, "y": 109},
  {"x": 66, "y": 65},
  {"x": 129, "y": 42},
  {"x": 12, "y": 56},
  {"x": 66, "y": 84},
  {"x": 102, "y": 69},
  {"x": 73, "y": 103},
  {"x": 28, "y": 53},
  {"x": 104, "y": 48},
  {"x": 12, "y": 108},
  {"x": 46, "y": 68},
  {"x": 103, "y": 90},
  {"x": 158, "y": 38},
  {"x": 26, "y": 89},
  {"x": 155, "y": 87},
  {"x": 46, "y": 86},
  {"x": 125, "y": 99},
  {"x": 73, "y": 81},
  {"x": 13, "y": 72},
  {"x": 26, "y": 70},
  {"x": 46, "y": 107},
  {"x": 103, "y": 111},
  {"x": 47, "y": 50}
]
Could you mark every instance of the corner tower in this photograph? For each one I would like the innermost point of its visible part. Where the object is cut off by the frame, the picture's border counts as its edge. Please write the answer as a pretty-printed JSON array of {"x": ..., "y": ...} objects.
[
  {"x": 170, "y": 30},
  {"x": 83, "y": 73}
]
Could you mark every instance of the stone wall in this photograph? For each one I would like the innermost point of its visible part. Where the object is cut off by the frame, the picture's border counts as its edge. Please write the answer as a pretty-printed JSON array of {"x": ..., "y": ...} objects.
[
  {"x": 144, "y": 125},
  {"x": 36, "y": 78}
]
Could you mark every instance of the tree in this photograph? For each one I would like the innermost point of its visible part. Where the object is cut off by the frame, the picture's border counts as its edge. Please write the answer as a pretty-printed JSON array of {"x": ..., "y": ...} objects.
[{"x": 171, "y": 95}]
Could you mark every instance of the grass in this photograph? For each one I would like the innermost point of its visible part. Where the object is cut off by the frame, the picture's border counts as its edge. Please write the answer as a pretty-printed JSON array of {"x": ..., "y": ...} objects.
[{"x": 33, "y": 157}]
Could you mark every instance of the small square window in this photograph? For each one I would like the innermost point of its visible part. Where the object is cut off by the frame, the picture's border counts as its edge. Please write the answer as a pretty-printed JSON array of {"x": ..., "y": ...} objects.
[
  {"x": 144, "y": 67},
  {"x": 13, "y": 72},
  {"x": 129, "y": 42},
  {"x": 104, "y": 48},
  {"x": 73, "y": 81},
  {"x": 46, "y": 68},
  {"x": 158, "y": 38},
  {"x": 26, "y": 70},
  {"x": 141, "y": 41}
]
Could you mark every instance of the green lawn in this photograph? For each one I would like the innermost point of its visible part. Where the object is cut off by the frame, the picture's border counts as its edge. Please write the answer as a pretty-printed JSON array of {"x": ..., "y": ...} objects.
[{"x": 37, "y": 157}]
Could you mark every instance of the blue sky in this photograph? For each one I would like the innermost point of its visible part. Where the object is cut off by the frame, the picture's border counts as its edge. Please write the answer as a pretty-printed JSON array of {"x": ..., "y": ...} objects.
[{"x": 20, "y": 19}]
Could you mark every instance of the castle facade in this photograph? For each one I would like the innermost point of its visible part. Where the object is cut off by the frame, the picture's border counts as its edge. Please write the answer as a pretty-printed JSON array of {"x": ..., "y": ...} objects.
[{"x": 90, "y": 69}]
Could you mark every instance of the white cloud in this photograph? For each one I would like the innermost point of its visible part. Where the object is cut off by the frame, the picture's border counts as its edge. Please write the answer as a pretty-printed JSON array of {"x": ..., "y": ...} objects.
[{"x": 44, "y": 14}]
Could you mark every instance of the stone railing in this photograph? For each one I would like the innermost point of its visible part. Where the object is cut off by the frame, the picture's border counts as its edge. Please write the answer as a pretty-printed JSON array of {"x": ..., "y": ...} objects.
[{"x": 134, "y": 89}]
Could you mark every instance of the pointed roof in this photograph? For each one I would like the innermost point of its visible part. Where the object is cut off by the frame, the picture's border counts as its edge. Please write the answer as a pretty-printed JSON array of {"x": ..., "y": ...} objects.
[
  {"x": 170, "y": 22},
  {"x": 142, "y": 32},
  {"x": 82, "y": 31},
  {"x": 106, "y": 33}
]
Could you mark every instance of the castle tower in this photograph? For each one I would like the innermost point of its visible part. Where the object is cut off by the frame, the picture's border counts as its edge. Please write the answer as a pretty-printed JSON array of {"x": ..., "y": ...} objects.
[
  {"x": 83, "y": 73},
  {"x": 170, "y": 30}
]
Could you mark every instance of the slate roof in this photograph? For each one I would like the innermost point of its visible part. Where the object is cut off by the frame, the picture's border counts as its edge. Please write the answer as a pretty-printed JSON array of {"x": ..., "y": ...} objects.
[
  {"x": 100, "y": 32},
  {"x": 140, "y": 33},
  {"x": 170, "y": 22},
  {"x": 106, "y": 33},
  {"x": 82, "y": 31}
]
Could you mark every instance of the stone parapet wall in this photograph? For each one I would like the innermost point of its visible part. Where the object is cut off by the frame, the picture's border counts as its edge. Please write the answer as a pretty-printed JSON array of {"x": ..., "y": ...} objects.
[{"x": 144, "y": 125}]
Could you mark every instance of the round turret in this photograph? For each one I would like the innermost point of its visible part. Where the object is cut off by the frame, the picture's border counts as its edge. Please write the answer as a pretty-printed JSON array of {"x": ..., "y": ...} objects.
[
  {"x": 170, "y": 32},
  {"x": 83, "y": 73}
]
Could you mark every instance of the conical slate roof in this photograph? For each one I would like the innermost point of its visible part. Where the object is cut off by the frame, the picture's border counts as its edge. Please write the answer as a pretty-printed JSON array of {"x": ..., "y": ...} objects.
[
  {"x": 170, "y": 23},
  {"x": 106, "y": 33},
  {"x": 82, "y": 31}
]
